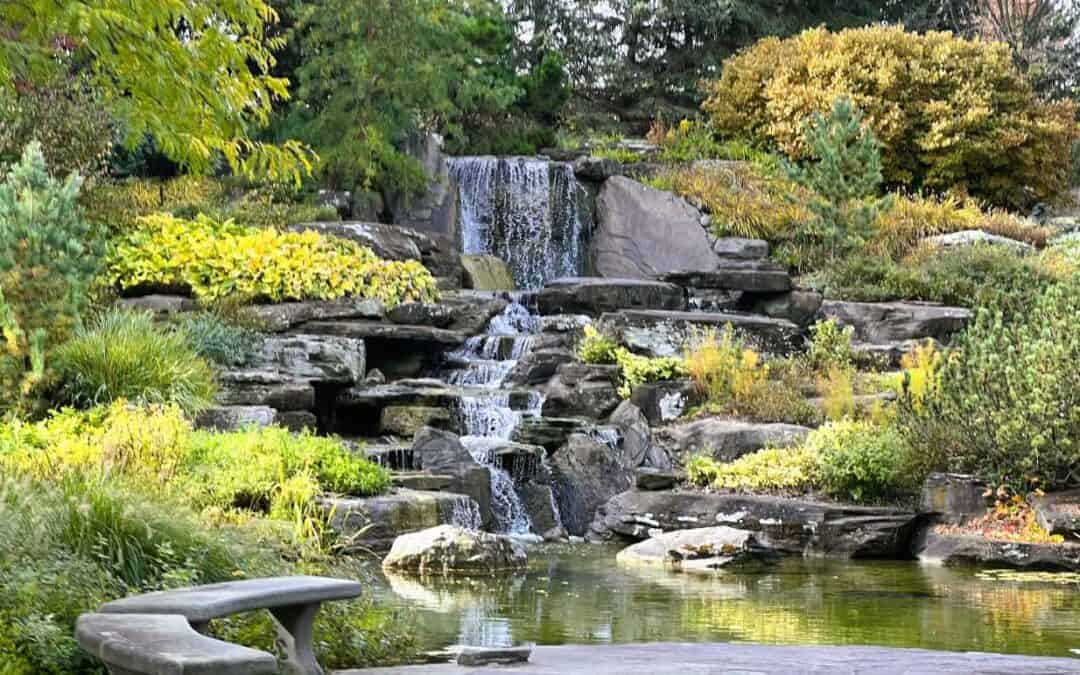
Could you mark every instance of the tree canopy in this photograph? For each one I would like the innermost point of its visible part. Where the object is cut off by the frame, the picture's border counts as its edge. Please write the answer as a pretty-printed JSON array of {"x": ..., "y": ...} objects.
[{"x": 195, "y": 76}]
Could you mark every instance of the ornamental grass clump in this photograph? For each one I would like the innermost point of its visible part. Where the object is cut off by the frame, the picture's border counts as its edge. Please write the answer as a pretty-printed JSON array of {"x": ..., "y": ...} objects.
[
  {"x": 724, "y": 370},
  {"x": 225, "y": 261},
  {"x": 125, "y": 355}
]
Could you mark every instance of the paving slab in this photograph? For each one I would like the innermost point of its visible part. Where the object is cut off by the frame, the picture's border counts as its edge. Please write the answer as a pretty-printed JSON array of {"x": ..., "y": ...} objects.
[{"x": 746, "y": 659}]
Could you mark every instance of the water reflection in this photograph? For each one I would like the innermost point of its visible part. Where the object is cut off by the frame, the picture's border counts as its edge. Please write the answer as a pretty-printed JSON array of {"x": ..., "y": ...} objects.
[{"x": 579, "y": 595}]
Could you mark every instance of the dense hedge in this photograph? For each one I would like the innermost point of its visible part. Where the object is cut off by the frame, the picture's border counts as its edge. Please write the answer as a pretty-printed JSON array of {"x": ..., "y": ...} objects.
[{"x": 948, "y": 112}]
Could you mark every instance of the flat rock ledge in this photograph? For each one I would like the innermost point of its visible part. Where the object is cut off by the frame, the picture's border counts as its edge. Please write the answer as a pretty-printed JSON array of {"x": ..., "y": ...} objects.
[
  {"x": 701, "y": 550},
  {"x": 448, "y": 549},
  {"x": 729, "y": 659},
  {"x": 935, "y": 548}
]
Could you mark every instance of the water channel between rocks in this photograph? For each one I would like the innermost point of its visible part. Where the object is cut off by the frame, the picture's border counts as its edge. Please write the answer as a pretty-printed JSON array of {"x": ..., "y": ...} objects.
[{"x": 577, "y": 594}]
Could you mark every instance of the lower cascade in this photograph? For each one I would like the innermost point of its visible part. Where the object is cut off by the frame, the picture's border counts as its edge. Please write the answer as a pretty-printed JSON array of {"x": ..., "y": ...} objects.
[
  {"x": 526, "y": 211},
  {"x": 487, "y": 413}
]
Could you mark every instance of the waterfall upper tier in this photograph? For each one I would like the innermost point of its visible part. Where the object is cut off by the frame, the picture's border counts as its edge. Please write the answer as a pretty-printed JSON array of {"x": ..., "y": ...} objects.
[{"x": 530, "y": 212}]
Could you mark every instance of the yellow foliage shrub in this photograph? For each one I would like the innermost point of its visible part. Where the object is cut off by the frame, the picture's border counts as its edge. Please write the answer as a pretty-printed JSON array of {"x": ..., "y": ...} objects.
[
  {"x": 950, "y": 113},
  {"x": 722, "y": 369},
  {"x": 219, "y": 260}
]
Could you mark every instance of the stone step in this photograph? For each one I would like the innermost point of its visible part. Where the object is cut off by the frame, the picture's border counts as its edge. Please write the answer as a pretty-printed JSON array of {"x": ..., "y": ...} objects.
[
  {"x": 725, "y": 439},
  {"x": 751, "y": 276},
  {"x": 665, "y": 333},
  {"x": 593, "y": 296},
  {"x": 419, "y": 480}
]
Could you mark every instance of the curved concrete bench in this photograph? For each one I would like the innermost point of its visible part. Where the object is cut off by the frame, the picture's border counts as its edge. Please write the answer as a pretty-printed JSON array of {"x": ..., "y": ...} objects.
[
  {"x": 160, "y": 643},
  {"x": 292, "y": 601}
]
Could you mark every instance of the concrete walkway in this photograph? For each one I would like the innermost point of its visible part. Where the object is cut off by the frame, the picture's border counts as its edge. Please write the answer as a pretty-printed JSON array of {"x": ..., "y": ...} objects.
[{"x": 739, "y": 659}]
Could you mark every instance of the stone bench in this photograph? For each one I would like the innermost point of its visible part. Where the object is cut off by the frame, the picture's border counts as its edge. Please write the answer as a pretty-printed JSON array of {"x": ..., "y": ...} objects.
[{"x": 128, "y": 641}]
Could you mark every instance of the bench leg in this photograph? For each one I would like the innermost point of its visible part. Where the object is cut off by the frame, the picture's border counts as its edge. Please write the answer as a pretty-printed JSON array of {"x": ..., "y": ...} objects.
[{"x": 294, "y": 636}]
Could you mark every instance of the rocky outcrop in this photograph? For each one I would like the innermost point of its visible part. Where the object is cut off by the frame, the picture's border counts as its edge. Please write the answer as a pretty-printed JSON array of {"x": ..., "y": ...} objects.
[
  {"x": 421, "y": 314},
  {"x": 788, "y": 525},
  {"x": 594, "y": 296},
  {"x": 798, "y": 306},
  {"x": 159, "y": 304},
  {"x": 375, "y": 522},
  {"x": 549, "y": 433},
  {"x": 726, "y": 439},
  {"x": 401, "y": 351},
  {"x": 636, "y": 439},
  {"x": 453, "y": 550},
  {"x": 318, "y": 359},
  {"x": 954, "y": 498},
  {"x": 978, "y": 238},
  {"x": 264, "y": 388},
  {"x": 435, "y": 212},
  {"x": 487, "y": 273},
  {"x": 949, "y": 549},
  {"x": 642, "y": 232},
  {"x": 234, "y": 418},
  {"x": 750, "y": 276},
  {"x": 889, "y": 322},
  {"x": 586, "y": 473},
  {"x": 441, "y": 452},
  {"x": 539, "y": 366},
  {"x": 1059, "y": 513},
  {"x": 582, "y": 390},
  {"x": 699, "y": 550},
  {"x": 359, "y": 409},
  {"x": 739, "y": 248},
  {"x": 665, "y": 402},
  {"x": 472, "y": 310},
  {"x": 283, "y": 316},
  {"x": 660, "y": 333}
]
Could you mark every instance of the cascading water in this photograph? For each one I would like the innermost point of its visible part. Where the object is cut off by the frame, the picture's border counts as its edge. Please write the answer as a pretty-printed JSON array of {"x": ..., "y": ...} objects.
[
  {"x": 487, "y": 413},
  {"x": 526, "y": 211}
]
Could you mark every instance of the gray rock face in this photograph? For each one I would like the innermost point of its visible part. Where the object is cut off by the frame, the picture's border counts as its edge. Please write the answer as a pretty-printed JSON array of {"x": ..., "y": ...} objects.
[
  {"x": 751, "y": 276},
  {"x": 726, "y": 439},
  {"x": 665, "y": 402},
  {"x": 635, "y": 437},
  {"x": 389, "y": 242},
  {"x": 234, "y": 418},
  {"x": 657, "y": 333},
  {"x": 651, "y": 479},
  {"x": 281, "y": 317},
  {"x": 979, "y": 238},
  {"x": 549, "y": 433},
  {"x": 953, "y": 498},
  {"x": 596, "y": 169},
  {"x": 314, "y": 358},
  {"x": 787, "y": 525},
  {"x": 375, "y": 522},
  {"x": 642, "y": 232},
  {"x": 738, "y": 248},
  {"x": 698, "y": 550},
  {"x": 453, "y": 550},
  {"x": 538, "y": 366},
  {"x": 586, "y": 473},
  {"x": 581, "y": 390},
  {"x": 380, "y": 330},
  {"x": 943, "y": 549},
  {"x": 359, "y": 409},
  {"x": 797, "y": 306},
  {"x": 436, "y": 212},
  {"x": 421, "y": 314},
  {"x": 441, "y": 452},
  {"x": 887, "y": 322},
  {"x": 264, "y": 388},
  {"x": 1059, "y": 513},
  {"x": 487, "y": 273},
  {"x": 594, "y": 296}
]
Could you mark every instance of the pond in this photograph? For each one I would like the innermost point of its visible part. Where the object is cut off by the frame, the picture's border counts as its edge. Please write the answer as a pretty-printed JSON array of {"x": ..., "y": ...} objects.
[{"x": 577, "y": 594}]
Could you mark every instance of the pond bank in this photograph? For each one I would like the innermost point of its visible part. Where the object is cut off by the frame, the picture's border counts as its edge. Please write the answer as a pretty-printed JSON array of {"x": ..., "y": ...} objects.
[{"x": 735, "y": 658}]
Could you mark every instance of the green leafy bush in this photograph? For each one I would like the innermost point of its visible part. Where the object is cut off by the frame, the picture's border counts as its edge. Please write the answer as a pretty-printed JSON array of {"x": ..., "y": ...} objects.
[
  {"x": 597, "y": 348},
  {"x": 124, "y": 355},
  {"x": 222, "y": 342},
  {"x": 772, "y": 469},
  {"x": 1007, "y": 406},
  {"x": 223, "y": 260},
  {"x": 950, "y": 113},
  {"x": 861, "y": 461},
  {"x": 637, "y": 369},
  {"x": 830, "y": 346},
  {"x": 49, "y": 256}
]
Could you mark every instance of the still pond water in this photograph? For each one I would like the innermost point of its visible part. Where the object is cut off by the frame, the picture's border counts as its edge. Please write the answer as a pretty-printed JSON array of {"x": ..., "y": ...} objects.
[{"x": 578, "y": 594}]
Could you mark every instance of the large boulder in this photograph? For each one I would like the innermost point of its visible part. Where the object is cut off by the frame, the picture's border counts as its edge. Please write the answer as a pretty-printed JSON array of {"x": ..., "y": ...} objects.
[
  {"x": 697, "y": 550},
  {"x": 751, "y": 276},
  {"x": 795, "y": 526},
  {"x": 636, "y": 438},
  {"x": 1059, "y": 513},
  {"x": 593, "y": 296},
  {"x": 280, "y": 317},
  {"x": 319, "y": 359},
  {"x": 436, "y": 211},
  {"x": 586, "y": 473},
  {"x": 936, "y": 548},
  {"x": 441, "y": 452},
  {"x": 642, "y": 232},
  {"x": 234, "y": 418},
  {"x": 979, "y": 238},
  {"x": 954, "y": 498},
  {"x": 373, "y": 523},
  {"x": 582, "y": 390},
  {"x": 453, "y": 550},
  {"x": 549, "y": 433},
  {"x": 487, "y": 273},
  {"x": 726, "y": 439},
  {"x": 389, "y": 242},
  {"x": 266, "y": 388},
  {"x": 889, "y": 322},
  {"x": 660, "y": 333},
  {"x": 665, "y": 402}
]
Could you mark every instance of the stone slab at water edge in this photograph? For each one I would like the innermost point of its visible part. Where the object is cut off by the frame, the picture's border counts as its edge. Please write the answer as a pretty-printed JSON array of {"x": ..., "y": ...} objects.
[
  {"x": 454, "y": 550},
  {"x": 700, "y": 550}
]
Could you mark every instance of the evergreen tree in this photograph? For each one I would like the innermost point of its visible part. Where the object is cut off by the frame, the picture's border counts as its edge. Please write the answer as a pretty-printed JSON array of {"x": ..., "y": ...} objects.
[
  {"x": 49, "y": 256},
  {"x": 844, "y": 172}
]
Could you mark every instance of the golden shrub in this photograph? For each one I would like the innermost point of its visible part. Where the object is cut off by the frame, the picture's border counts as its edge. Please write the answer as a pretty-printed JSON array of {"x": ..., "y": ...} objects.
[{"x": 950, "y": 113}]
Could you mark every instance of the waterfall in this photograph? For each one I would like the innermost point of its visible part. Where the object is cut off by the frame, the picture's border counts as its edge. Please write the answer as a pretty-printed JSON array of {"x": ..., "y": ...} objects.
[
  {"x": 526, "y": 211},
  {"x": 486, "y": 410}
]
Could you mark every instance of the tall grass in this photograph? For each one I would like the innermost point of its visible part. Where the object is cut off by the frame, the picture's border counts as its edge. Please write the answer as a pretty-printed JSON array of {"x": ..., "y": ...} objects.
[{"x": 125, "y": 355}]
